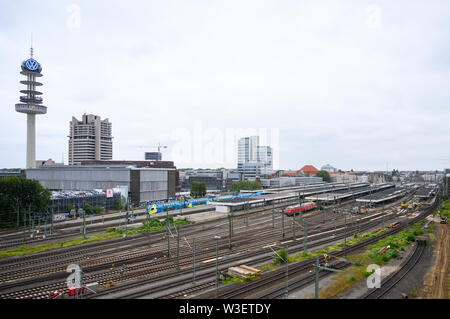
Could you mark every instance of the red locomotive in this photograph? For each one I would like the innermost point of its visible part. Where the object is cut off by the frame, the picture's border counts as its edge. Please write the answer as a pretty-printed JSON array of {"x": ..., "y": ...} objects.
[{"x": 296, "y": 209}]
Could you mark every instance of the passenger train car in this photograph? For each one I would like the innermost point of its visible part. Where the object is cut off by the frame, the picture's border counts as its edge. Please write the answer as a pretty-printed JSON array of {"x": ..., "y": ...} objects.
[
  {"x": 174, "y": 204},
  {"x": 297, "y": 209}
]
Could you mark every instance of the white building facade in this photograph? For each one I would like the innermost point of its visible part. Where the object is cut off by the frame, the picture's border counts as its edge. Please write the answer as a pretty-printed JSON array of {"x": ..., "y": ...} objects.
[
  {"x": 254, "y": 160},
  {"x": 89, "y": 139}
]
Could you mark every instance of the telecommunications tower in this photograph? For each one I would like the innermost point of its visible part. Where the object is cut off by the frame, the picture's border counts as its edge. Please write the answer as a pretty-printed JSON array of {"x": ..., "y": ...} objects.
[{"x": 31, "y": 104}]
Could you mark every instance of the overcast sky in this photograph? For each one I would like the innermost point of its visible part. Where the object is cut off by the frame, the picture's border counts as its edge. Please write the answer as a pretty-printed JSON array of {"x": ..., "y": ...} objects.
[{"x": 358, "y": 84}]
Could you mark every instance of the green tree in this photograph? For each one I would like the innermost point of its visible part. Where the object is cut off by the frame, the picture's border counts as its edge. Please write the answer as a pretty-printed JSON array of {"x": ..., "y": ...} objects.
[
  {"x": 324, "y": 174},
  {"x": 97, "y": 209},
  {"x": 198, "y": 189},
  {"x": 280, "y": 257},
  {"x": 244, "y": 185},
  {"x": 120, "y": 203},
  {"x": 87, "y": 208},
  {"x": 19, "y": 198}
]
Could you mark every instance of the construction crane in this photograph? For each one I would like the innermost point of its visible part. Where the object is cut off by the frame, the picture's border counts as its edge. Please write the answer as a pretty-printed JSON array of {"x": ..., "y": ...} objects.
[{"x": 159, "y": 147}]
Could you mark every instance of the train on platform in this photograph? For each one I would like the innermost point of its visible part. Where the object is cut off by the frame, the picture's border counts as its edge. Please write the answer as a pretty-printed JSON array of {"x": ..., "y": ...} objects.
[
  {"x": 298, "y": 209},
  {"x": 177, "y": 204}
]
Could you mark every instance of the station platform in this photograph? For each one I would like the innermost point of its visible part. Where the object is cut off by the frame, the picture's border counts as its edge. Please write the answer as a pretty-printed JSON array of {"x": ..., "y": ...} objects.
[
  {"x": 384, "y": 196},
  {"x": 280, "y": 197},
  {"x": 340, "y": 195}
]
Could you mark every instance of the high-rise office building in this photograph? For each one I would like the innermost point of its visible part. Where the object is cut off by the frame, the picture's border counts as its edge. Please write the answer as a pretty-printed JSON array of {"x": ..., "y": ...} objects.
[
  {"x": 89, "y": 139},
  {"x": 153, "y": 156},
  {"x": 254, "y": 160}
]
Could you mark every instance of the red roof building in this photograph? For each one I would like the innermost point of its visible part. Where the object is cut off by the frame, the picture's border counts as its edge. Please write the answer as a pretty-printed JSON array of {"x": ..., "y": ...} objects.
[
  {"x": 292, "y": 173},
  {"x": 309, "y": 169}
]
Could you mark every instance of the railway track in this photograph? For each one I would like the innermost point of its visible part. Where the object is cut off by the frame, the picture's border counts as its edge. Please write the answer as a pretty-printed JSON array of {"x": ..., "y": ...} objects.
[
  {"x": 302, "y": 282},
  {"x": 62, "y": 233},
  {"x": 390, "y": 281},
  {"x": 325, "y": 239},
  {"x": 279, "y": 273},
  {"x": 54, "y": 286},
  {"x": 92, "y": 249},
  {"x": 144, "y": 239}
]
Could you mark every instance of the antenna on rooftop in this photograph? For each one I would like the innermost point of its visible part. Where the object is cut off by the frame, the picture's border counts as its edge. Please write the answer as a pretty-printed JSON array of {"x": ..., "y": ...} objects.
[{"x": 31, "y": 48}]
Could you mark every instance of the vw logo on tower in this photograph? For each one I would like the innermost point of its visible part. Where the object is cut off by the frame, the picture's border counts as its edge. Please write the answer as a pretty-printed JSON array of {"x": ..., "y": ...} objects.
[
  {"x": 31, "y": 104},
  {"x": 32, "y": 64}
]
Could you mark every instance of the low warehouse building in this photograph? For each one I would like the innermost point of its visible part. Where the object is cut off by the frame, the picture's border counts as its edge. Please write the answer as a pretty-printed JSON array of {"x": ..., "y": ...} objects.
[{"x": 144, "y": 184}]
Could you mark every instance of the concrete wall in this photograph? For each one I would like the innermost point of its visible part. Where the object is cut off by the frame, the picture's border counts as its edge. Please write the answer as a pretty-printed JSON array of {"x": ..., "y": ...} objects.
[
  {"x": 153, "y": 184},
  {"x": 172, "y": 184}
]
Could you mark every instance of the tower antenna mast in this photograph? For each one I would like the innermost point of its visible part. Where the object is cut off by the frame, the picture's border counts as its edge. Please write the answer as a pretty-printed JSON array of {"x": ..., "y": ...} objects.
[{"x": 31, "y": 48}]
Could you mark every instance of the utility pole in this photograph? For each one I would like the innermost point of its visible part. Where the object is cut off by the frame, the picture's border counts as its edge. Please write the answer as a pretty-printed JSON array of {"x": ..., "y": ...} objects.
[
  {"x": 334, "y": 226},
  {"x": 287, "y": 272},
  {"x": 282, "y": 222},
  {"x": 24, "y": 228},
  {"x": 45, "y": 225},
  {"x": 273, "y": 215},
  {"x": 79, "y": 291},
  {"x": 293, "y": 226},
  {"x": 232, "y": 223},
  {"x": 51, "y": 228},
  {"x": 193, "y": 261},
  {"x": 168, "y": 234},
  {"x": 305, "y": 235},
  {"x": 353, "y": 226},
  {"x": 127, "y": 215},
  {"x": 148, "y": 231},
  {"x": 358, "y": 223},
  {"x": 17, "y": 212},
  {"x": 217, "y": 265},
  {"x": 345, "y": 232},
  {"x": 178, "y": 247},
  {"x": 84, "y": 224},
  {"x": 406, "y": 215},
  {"x": 229, "y": 226},
  {"x": 317, "y": 269},
  {"x": 32, "y": 225},
  {"x": 246, "y": 215}
]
